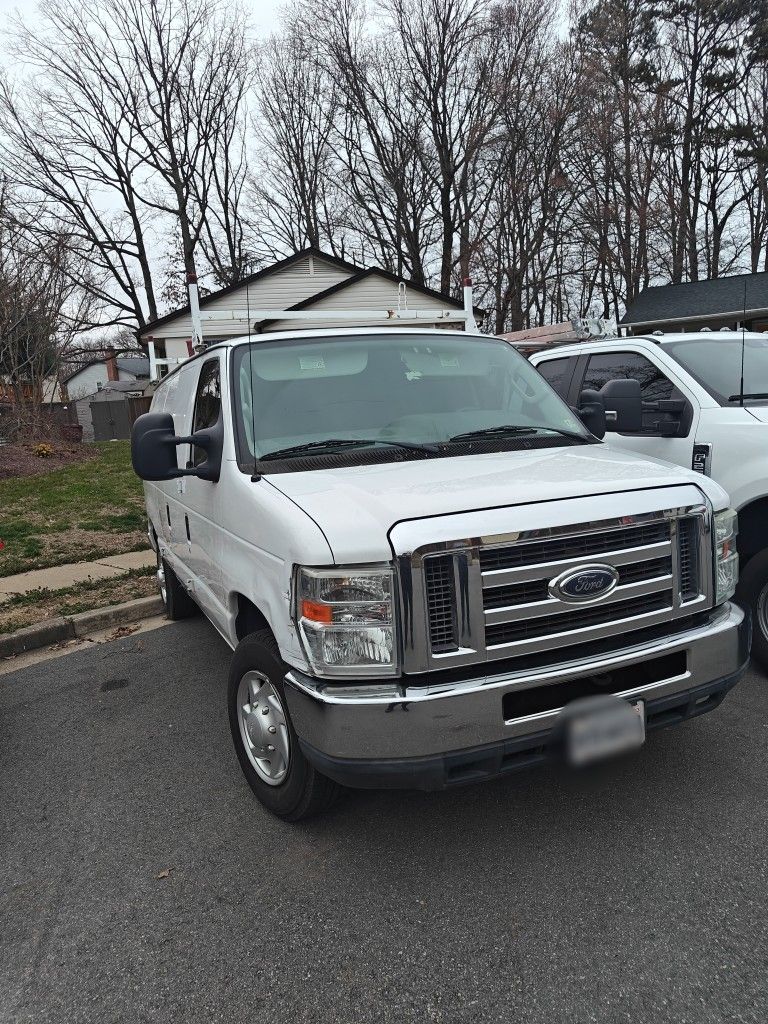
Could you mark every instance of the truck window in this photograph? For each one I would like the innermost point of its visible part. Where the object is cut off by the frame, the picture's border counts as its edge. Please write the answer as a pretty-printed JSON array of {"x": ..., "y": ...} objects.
[
  {"x": 716, "y": 364},
  {"x": 654, "y": 385},
  {"x": 207, "y": 403},
  {"x": 557, "y": 373}
]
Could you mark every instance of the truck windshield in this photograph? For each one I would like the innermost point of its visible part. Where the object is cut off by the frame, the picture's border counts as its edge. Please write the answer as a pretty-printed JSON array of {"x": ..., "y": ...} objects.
[
  {"x": 387, "y": 389},
  {"x": 716, "y": 364}
]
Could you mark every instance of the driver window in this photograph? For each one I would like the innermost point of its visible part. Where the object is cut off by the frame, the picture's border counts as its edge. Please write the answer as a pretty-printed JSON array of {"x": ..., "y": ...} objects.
[
  {"x": 207, "y": 404},
  {"x": 654, "y": 385}
]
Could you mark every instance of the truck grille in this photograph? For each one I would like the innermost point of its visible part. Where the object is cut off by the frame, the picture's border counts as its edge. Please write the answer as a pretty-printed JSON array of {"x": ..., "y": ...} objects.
[
  {"x": 441, "y": 603},
  {"x": 524, "y": 629},
  {"x": 508, "y": 609},
  {"x": 572, "y": 547},
  {"x": 688, "y": 534}
]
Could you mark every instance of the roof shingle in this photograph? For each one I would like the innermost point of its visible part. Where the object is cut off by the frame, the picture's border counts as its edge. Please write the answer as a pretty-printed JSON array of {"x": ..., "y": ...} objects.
[{"x": 694, "y": 299}]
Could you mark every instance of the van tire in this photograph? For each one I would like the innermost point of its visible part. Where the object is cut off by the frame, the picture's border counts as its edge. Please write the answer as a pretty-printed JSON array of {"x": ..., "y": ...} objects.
[
  {"x": 178, "y": 603},
  {"x": 304, "y": 792},
  {"x": 752, "y": 594}
]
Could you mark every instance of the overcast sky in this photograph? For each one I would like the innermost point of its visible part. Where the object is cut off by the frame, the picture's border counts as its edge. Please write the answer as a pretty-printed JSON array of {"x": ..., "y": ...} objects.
[{"x": 264, "y": 16}]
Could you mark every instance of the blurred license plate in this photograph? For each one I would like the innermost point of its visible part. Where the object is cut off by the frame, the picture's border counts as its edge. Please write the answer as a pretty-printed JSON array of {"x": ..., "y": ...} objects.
[{"x": 605, "y": 732}]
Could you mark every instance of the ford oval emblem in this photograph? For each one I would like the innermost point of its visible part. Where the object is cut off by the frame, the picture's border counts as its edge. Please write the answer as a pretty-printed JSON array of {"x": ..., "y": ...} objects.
[{"x": 585, "y": 583}]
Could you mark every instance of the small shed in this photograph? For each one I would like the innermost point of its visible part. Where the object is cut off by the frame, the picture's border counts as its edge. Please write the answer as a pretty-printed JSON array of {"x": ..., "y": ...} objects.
[{"x": 108, "y": 413}]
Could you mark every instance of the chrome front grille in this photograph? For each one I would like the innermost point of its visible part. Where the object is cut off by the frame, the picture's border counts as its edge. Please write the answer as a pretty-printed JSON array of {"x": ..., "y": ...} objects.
[
  {"x": 579, "y": 546},
  {"x": 491, "y": 597},
  {"x": 563, "y": 625},
  {"x": 689, "y": 557},
  {"x": 441, "y": 603},
  {"x": 641, "y": 554}
]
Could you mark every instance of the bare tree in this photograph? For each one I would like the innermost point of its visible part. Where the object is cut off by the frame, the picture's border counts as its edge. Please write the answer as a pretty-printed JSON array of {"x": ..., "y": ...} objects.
[
  {"x": 617, "y": 162},
  {"x": 530, "y": 191},
  {"x": 41, "y": 310},
  {"x": 294, "y": 184},
  {"x": 703, "y": 37},
  {"x": 124, "y": 124}
]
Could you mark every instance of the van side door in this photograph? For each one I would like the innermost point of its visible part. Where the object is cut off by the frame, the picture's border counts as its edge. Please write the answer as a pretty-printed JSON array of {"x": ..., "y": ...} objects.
[
  {"x": 203, "y": 498},
  {"x": 167, "y": 511}
]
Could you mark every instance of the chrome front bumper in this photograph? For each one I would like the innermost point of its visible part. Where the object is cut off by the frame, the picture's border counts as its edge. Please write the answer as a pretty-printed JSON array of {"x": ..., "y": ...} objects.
[{"x": 382, "y": 724}]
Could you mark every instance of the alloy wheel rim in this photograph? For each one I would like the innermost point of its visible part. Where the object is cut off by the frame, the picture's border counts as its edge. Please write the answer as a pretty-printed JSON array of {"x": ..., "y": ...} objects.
[{"x": 263, "y": 727}]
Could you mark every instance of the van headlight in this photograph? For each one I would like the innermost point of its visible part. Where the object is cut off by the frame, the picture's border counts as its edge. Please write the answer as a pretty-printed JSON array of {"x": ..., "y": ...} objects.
[
  {"x": 346, "y": 620},
  {"x": 726, "y": 556}
]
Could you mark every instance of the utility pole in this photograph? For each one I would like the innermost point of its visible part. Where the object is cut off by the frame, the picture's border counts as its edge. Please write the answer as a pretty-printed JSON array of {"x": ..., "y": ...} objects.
[{"x": 194, "y": 310}]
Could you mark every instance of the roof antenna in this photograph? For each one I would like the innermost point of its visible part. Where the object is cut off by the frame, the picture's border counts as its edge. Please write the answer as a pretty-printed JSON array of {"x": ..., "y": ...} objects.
[
  {"x": 255, "y": 476},
  {"x": 743, "y": 346}
]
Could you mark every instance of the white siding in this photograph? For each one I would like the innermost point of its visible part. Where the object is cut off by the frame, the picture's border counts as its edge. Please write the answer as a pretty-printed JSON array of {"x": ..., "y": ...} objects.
[
  {"x": 373, "y": 292},
  {"x": 176, "y": 348},
  {"x": 279, "y": 290},
  {"x": 86, "y": 381}
]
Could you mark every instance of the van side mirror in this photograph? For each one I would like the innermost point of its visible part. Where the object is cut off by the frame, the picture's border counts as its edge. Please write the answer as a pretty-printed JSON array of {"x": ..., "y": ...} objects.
[
  {"x": 623, "y": 405},
  {"x": 591, "y": 411},
  {"x": 153, "y": 448}
]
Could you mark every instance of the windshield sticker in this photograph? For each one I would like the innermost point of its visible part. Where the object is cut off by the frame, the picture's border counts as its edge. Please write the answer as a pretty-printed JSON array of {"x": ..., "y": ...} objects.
[
  {"x": 448, "y": 363},
  {"x": 311, "y": 363}
]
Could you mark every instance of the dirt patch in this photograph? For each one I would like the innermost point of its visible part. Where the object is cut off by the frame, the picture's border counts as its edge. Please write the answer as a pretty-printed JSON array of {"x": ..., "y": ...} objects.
[
  {"x": 22, "y": 460},
  {"x": 37, "y": 606}
]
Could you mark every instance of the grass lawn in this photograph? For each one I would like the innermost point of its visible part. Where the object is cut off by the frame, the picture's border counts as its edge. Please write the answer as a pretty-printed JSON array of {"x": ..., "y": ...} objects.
[{"x": 82, "y": 512}]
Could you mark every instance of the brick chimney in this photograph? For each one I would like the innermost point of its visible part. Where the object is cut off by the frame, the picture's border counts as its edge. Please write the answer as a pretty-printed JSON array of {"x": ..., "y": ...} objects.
[{"x": 111, "y": 364}]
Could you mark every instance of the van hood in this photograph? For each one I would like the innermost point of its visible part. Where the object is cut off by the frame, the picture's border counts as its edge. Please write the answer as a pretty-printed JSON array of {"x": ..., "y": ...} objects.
[
  {"x": 760, "y": 412},
  {"x": 357, "y": 506}
]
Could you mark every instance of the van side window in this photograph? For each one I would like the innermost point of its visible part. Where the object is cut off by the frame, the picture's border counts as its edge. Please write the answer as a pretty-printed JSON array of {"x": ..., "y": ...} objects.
[
  {"x": 557, "y": 373},
  {"x": 654, "y": 386},
  {"x": 207, "y": 403}
]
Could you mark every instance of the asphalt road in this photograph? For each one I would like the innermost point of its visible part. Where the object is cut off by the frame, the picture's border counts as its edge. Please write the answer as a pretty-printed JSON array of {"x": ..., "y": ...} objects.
[{"x": 638, "y": 894}]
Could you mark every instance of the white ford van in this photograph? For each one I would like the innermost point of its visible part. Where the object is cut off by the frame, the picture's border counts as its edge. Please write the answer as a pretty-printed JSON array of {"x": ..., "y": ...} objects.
[{"x": 430, "y": 571}]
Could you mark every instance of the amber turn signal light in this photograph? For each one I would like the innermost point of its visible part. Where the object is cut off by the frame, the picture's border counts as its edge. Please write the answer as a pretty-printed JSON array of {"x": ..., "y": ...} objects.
[{"x": 316, "y": 612}]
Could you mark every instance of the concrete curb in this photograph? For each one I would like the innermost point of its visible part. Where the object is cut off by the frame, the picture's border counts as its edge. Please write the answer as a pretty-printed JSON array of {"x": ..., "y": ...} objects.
[{"x": 54, "y": 631}]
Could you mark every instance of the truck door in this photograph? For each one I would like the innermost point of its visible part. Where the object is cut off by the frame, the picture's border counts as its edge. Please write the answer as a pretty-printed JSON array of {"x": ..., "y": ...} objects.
[{"x": 665, "y": 434}]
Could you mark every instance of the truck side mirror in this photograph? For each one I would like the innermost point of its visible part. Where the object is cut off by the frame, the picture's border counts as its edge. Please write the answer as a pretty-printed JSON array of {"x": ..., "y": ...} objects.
[
  {"x": 591, "y": 411},
  {"x": 623, "y": 405},
  {"x": 153, "y": 448}
]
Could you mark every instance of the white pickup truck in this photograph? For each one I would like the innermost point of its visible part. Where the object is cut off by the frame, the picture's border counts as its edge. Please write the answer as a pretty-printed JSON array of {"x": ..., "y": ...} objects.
[
  {"x": 695, "y": 415},
  {"x": 430, "y": 571}
]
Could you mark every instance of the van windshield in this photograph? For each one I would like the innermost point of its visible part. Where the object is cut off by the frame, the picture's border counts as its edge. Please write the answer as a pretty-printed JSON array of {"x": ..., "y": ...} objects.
[{"x": 389, "y": 389}]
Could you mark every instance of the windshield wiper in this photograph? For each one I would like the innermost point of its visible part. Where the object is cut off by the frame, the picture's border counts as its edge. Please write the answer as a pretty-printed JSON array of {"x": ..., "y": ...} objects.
[
  {"x": 757, "y": 394},
  {"x": 340, "y": 442},
  {"x": 511, "y": 430}
]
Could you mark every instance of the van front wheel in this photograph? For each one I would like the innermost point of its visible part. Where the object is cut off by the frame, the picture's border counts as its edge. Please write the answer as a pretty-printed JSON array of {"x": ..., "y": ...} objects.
[
  {"x": 752, "y": 593},
  {"x": 265, "y": 741}
]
